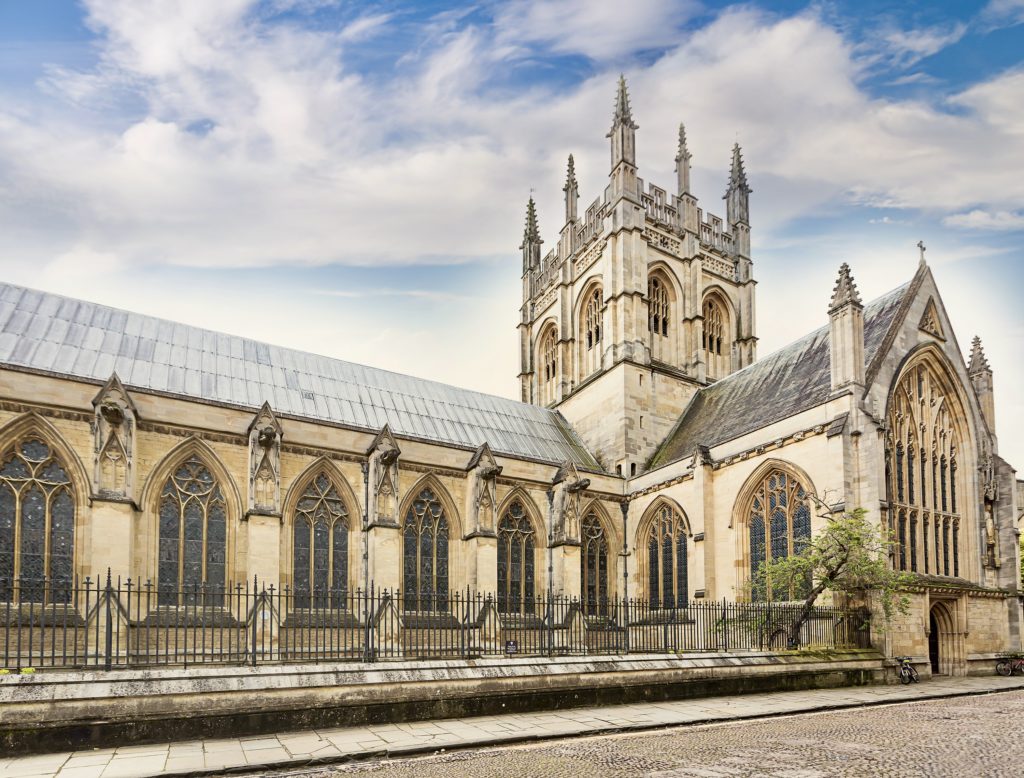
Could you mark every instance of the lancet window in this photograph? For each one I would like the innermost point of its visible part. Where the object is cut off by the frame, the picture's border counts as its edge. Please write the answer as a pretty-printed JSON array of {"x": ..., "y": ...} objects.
[
  {"x": 549, "y": 367},
  {"x": 593, "y": 566},
  {"x": 425, "y": 554},
  {"x": 590, "y": 356},
  {"x": 667, "y": 584},
  {"x": 922, "y": 446},
  {"x": 516, "y": 545},
  {"x": 658, "y": 307},
  {"x": 320, "y": 547},
  {"x": 37, "y": 525},
  {"x": 192, "y": 537},
  {"x": 780, "y": 526},
  {"x": 715, "y": 338}
]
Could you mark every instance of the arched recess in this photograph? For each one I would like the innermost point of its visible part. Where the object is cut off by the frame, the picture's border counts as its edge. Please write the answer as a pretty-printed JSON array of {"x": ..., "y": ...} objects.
[
  {"x": 548, "y": 363},
  {"x": 431, "y": 533},
  {"x": 192, "y": 449},
  {"x": 664, "y": 551},
  {"x": 949, "y": 640},
  {"x": 754, "y": 504},
  {"x": 599, "y": 545},
  {"x": 36, "y": 458},
  {"x": 930, "y": 452},
  {"x": 590, "y": 335},
  {"x": 663, "y": 319},
  {"x": 718, "y": 332},
  {"x": 520, "y": 558},
  {"x": 300, "y": 488}
]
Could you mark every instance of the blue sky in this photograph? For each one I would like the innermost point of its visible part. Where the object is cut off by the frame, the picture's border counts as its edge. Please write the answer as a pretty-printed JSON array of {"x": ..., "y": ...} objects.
[{"x": 350, "y": 177}]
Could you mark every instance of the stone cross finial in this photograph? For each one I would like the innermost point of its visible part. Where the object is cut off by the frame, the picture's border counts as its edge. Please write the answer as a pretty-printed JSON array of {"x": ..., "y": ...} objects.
[{"x": 921, "y": 246}]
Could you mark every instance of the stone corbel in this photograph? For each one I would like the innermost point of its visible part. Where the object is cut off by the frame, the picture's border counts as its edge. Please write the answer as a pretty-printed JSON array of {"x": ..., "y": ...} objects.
[{"x": 113, "y": 427}]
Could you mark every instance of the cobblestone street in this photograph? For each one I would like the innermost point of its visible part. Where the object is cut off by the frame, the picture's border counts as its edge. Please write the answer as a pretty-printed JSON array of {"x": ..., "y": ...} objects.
[{"x": 964, "y": 736}]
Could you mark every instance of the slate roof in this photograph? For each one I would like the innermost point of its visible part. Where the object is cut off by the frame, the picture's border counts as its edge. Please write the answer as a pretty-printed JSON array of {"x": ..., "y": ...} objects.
[
  {"x": 49, "y": 333},
  {"x": 780, "y": 385}
]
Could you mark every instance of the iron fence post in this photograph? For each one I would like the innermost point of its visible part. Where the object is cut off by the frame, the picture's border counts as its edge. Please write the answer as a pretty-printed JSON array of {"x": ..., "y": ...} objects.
[
  {"x": 725, "y": 626},
  {"x": 108, "y": 659},
  {"x": 255, "y": 607}
]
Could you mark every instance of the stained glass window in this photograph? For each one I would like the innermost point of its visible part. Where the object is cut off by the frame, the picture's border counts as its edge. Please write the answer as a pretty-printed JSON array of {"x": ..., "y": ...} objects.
[
  {"x": 515, "y": 561},
  {"x": 667, "y": 561},
  {"x": 192, "y": 553},
  {"x": 320, "y": 547},
  {"x": 37, "y": 524},
  {"x": 593, "y": 565},
  {"x": 779, "y": 526},
  {"x": 922, "y": 414},
  {"x": 425, "y": 554}
]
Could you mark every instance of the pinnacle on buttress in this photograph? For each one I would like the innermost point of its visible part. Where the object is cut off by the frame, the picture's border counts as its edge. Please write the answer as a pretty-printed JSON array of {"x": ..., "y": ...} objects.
[
  {"x": 683, "y": 157},
  {"x": 978, "y": 363},
  {"x": 737, "y": 175},
  {"x": 570, "y": 176},
  {"x": 531, "y": 234},
  {"x": 683, "y": 154},
  {"x": 845, "y": 292},
  {"x": 623, "y": 115}
]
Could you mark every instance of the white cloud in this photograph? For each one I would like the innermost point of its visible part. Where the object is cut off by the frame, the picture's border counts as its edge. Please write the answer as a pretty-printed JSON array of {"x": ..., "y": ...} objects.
[
  {"x": 907, "y": 47},
  {"x": 986, "y": 220},
  {"x": 1002, "y": 13}
]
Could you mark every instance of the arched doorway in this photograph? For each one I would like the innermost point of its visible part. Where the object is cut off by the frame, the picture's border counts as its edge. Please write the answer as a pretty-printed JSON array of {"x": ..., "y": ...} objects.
[
  {"x": 933, "y": 643},
  {"x": 945, "y": 643}
]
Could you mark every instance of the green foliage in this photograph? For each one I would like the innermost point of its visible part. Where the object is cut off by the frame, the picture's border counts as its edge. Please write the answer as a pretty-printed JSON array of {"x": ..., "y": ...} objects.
[{"x": 849, "y": 556}]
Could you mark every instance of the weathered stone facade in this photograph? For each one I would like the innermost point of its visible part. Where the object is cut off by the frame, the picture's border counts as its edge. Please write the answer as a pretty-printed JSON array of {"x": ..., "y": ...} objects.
[{"x": 665, "y": 484}]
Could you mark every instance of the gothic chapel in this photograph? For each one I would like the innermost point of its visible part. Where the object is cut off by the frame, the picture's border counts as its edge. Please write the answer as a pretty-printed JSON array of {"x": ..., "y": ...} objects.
[{"x": 652, "y": 454}]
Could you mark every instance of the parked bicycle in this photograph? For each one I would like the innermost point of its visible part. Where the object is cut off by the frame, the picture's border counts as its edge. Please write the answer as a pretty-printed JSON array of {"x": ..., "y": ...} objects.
[
  {"x": 907, "y": 671},
  {"x": 1008, "y": 664}
]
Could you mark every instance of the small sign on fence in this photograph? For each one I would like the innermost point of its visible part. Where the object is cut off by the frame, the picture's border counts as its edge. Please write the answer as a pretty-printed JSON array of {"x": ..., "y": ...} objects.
[{"x": 511, "y": 646}]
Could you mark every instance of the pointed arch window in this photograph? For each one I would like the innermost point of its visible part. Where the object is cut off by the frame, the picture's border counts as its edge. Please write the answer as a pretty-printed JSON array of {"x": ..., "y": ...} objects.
[
  {"x": 658, "y": 307},
  {"x": 593, "y": 566},
  {"x": 37, "y": 525},
  {"x": 548, "y": 366},
  {"x": 667, "y": 571},
  {"x": 714, "y": 327},
  {"x": 425, "y": 554},
  {"x": 593, "y": 320},
  {"x": 320, "y": 547},
  {"x": 516, "y": 546},
  {"x": 192, "y": 538},
  {"x": 921, "y": 413},
  {"x": 780, "y": 526}
]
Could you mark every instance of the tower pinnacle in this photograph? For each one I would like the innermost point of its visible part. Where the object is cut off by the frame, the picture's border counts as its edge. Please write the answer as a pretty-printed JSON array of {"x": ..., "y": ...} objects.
[
  {"x": 531, "y": 239},
  {"x": 845, "y": 292},
  {"x": 683, "y": 157},
  {"x": 979, "y": 362},
  {"x": 623, "y": 116},
  {"x": 571, "y": 190},
  {"x": 737, "y": 196}
]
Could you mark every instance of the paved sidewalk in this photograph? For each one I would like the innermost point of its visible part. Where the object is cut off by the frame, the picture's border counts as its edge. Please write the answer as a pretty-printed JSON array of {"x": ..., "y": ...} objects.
[{"x": 297, "y": 749}]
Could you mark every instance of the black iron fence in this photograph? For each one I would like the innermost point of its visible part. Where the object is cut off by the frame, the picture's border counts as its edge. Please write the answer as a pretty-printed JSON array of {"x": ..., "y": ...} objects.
[{"x": 117, "y": 623}]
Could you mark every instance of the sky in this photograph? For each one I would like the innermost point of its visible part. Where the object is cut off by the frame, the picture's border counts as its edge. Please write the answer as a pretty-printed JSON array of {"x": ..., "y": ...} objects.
[{"x": 350, "y": 178}]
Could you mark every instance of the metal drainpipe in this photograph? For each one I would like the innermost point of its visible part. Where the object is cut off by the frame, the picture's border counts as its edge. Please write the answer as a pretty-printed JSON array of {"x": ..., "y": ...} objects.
[
  {"x": 624, "y": 507},
  {"x": 551, "y": 539},
  {"x": 366, "y": 527}
]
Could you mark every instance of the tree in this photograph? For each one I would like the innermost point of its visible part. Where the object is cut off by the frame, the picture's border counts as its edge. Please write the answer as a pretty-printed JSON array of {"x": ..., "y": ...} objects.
[{"x": 850, "y": 556}]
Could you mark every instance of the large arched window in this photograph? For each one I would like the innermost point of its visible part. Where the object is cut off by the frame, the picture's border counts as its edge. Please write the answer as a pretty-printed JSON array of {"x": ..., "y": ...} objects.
[
  {"x": 593, "y": 566},
  {"x": 590, "y": 337},
  {"x": 548, "y": 367},
  {"x": 516, "y": 545},
  {"x": 659, "y": 320},
  {"x": 320, "y": 547},
  {"x": 37, "y": 524},
  {"x": 922, "y": 445},
  {"x": 193, "y": 537},
  {"x": 425, "y": 554},
  {"x": 716, "y": 337},
  {"x": 779, "y": 526},
  {"x": 665, "y": 539}
]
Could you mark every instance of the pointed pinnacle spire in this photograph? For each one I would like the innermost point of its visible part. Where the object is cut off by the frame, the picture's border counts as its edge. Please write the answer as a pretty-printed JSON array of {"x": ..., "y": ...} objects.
[
  {"x": 623, "y": 115},
  {"x": 978, "y": 363},
  {"x": 683, "y": 154},
  {"x": 737, "y": 175},
  {"x": 531, "y": 234},
  {"x": 570, "y": 176},
  {"x": 845, "y": 292}
]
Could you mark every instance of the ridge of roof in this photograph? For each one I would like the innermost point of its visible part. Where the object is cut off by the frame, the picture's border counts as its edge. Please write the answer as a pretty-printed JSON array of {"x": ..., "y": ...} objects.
[{"x": 52, "y": 333}]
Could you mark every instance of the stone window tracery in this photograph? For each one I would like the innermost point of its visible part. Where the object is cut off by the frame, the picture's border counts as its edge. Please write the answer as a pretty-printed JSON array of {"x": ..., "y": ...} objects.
[
  {"x": 37, "y": 524},
  {"x": 715, "y": 338},
  {"x": 516, "y": 545},
  {"x": 667, "y": 571},
  {"x": 192, "y": 550},
  {"x": 425, "y": 554},
  {"x": 590, "y": 337},
  {"x": 659, "y": 307},
  {"x": 593, "y": 566},
  {"x": 780, "y": 526},
  {"x": 549, "y": 367},
  {"x": 320, "y": 547},
  {"x": 920, "y": 423}
]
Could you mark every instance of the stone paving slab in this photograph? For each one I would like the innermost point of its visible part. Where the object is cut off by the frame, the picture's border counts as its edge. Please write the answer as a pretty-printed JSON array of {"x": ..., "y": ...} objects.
[{"x": 298, "y": 749}]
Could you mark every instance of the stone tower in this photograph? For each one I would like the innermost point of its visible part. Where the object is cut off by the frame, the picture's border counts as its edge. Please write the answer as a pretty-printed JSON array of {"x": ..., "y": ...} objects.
[{"x": 644, "y": 299}]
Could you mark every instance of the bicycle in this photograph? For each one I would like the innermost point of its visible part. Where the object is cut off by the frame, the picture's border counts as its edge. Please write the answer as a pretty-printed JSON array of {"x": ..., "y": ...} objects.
[
  {"x": 1009, "y": 664},
  {"x": 907, "y": 671}
]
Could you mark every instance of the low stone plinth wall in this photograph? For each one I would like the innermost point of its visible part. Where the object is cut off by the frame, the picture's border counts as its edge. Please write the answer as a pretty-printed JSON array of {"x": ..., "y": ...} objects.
[{"x": 59, "y": 710}]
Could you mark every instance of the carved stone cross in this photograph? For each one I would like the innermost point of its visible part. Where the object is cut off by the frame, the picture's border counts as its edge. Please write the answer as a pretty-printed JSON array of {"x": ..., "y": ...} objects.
[{"x": 920, "y": 245}]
